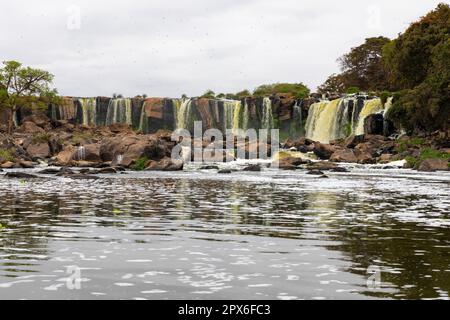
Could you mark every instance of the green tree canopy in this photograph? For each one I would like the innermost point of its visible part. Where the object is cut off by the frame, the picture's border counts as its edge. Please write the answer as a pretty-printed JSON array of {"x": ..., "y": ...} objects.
[
  {"x": 24, "y": 87},
  {"x": 297, "y": 90}
]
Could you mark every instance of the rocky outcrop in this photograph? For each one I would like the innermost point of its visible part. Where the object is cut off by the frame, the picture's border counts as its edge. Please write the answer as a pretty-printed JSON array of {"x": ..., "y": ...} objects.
[
  {"x": 374, "y": 124},
  {"x": 30, "y": 127},
  {"x": 430, "y": 165},
  {"x": 166, "y": 164}
]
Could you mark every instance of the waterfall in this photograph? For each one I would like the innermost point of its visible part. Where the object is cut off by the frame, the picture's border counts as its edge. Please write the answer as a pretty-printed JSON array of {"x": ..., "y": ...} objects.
[
  {"x": 88, "y": 106},
  {"x": 119, "y": 111},
  {"x": 230, "y": 106},
  {"x": 267, "y": 115},
  {"x": 240, "y": 117},
  {"x": 387, "y": 106},
  {"x": 81, "y": 153},
  {"x": 320, "y": 124},
  {"x": 184, "y": 114},
  {"x": 370, "y": 107}
]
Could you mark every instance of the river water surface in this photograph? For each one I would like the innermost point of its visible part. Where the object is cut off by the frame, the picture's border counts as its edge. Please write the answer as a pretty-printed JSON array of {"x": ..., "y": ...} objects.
[{"x": 196, "y": 234}]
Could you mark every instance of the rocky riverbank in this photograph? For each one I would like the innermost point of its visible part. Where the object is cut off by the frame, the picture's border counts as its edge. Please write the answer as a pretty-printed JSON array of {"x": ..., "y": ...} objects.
[{"x": 114, "y": 148}]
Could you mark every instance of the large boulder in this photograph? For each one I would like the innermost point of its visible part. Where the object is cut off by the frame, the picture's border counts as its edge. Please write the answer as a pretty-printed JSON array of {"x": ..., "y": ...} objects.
[
  {"x": 38, "y": 118},
  {"x": 373, "y": 124},
  {"x": 30, "y": 127},
  {"x": 323, "y": 151},
  {"x": 353, "y": 141},
  {"x": 65, "y": 157},
  {"x": 165, "y": 164},
  {"x": 346, "y": 155},
  {"x": 39, "y": 150},
  {"x": 125, "y": 150},
  {"x": 430, "y": 165}
]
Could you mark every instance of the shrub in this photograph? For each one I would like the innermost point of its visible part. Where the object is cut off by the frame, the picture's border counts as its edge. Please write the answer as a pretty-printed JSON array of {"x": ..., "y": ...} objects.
[
  {"x": 140, "y": 164},
  {"x": 6, "y": 155}
]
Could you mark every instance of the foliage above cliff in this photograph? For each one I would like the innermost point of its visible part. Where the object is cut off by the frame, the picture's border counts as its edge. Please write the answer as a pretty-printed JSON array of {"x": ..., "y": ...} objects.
[
  {"x": 419, "y": 64},
  {"x": 297, "y": 90}
]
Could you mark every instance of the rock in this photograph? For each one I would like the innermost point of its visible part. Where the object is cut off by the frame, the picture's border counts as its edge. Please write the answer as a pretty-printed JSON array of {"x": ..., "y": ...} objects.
[
  {"x": 339, "y": 169},
  {"x": 26, "y": 164},
  {"x": 7, "y": 165},
  {"x": 165, "y": 164},
  {"x": 20, "y": 175},
  {"x": 364, "y": 158},
  {"x": 85, "y": 164},
  {"x": 374, "y": 124},
  {"x": 65, "y": 171},
  {"x": 80, "y": 176},
  {"x": 289, "y": 163},
  {"x": 322, "y": 165},
  {"x": 39, "y": 150},
  {"x": 89, "y": 152},
  {"x": 49, "y": 171},
  {"x": 64, "y": 158},
  {"x": 224, "y": 171},
  {"x": 106, "y": 170},
  {"x": 38, "y": 118},
  {"x": 315, "y": 172},
  {"x": 323, "y": 151},
  {"x": 353, "y": 141},
  {"x": 346, "y": 155},
  {"x": 30, "y": 127},
  {"x": 209, "y": 167},
  {"x": 385, "y": 158},
  {"x": 324, "y": 176},
  {"x": 430, "y": 165},
  {"x": 253, "y": 168}
]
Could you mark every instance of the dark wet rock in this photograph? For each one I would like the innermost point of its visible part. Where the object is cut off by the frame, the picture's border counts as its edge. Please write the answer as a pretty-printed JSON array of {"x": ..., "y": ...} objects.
[
  {"x": 103, "y": 165},
  {"x": 322, "y": 166},
  {"x": 324, "y": 176},
  {"x": 106, "y": 170},
  {"x": 85, "y": 164},
  {"x": 20, "y": 175},
  {"x": 315, "y": 172},
  {"x": 26, "y": 164},
  {"x": 323, "y": 151},
  {"x": 49, "y": 171},
  {"x": 225, "y": 171},
  {"x": 374, "y": 124},
  {"x": 80, "y": 176},
  {"x": 339, "y": 169},
  {"x": 430, "y": 165},
  {"x": 209, "y": 167},
  {"x": 65, "y": 171},
  {"x": 119, "y": 168},
  {"x": 353, "y": 141},
  {"x": 253, "y": 168}
]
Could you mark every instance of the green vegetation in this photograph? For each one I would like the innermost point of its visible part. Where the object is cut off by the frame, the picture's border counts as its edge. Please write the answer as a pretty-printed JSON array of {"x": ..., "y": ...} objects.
[
  {"x": 6, "y": 155},
  {"x": 297, "y": 90},
  {"x": 361, "y": 68},
  {"x": 140, "y": 164},
  {"x": 82, "y": 137},
  {"x": 415, "y": 67},
  {"x": 209, "y": 94},
  {"x": 426, "y": 153},
  {"x": 353, "y": 90},
  {"x": 41, "y": 138},
  {"x": 24, "y": 87}
]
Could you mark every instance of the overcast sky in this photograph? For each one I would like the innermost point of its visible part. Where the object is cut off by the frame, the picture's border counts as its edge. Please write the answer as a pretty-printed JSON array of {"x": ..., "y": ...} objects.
[{"x": 167, "y": 48}]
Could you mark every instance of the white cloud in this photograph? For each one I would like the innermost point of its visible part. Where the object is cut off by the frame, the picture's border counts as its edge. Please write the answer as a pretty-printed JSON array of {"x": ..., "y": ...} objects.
[{"x": 166, "y": 48}]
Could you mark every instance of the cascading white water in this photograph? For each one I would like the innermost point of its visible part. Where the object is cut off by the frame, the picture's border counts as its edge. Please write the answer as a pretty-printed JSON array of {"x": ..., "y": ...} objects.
[
  {"x": 88, "y": 106},
  {"x": 81, "y": 153},
  {"x": 230, "y": 107},
  {"x": 267, "y": 115},
  {"x": 240, "y": 117},
  {"x": 119, "y": 111},
  {"x": 184, "y": 114},
  {"x": 321, "y": 120}
]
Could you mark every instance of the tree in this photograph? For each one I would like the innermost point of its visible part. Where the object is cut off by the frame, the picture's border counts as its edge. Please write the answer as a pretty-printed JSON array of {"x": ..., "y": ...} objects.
[
  {"x": 363, "y": 66},
  {"x": 209, "y": 94},
  {"x": 24, "y": 87},
  {"x": 334, "y": 84},
  {"x": 297, "y": 90},
  {"x": 419, "y": 60}
]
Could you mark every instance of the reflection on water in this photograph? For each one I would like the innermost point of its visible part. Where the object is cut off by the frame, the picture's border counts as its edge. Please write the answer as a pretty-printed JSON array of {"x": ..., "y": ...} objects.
[{"x": 205, "y": 236}]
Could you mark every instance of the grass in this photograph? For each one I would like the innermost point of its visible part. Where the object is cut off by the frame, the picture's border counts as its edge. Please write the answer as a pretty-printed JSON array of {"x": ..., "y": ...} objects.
[
  {"x": 140, "y": 164},
  {"x": 41, "y": 138},
  {"x": 427, "y": 153},
  {"x": 6, "y": 155},
  {"x": 81, "y": 137}
]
